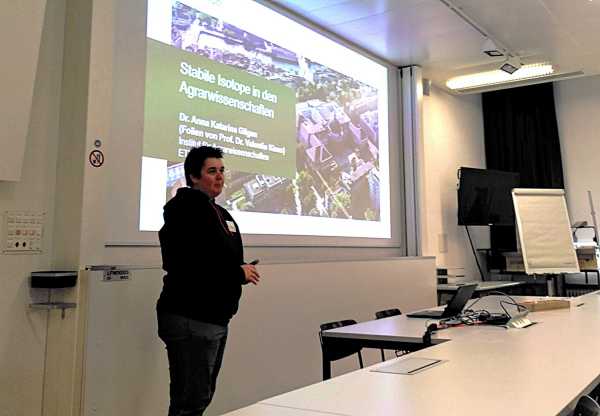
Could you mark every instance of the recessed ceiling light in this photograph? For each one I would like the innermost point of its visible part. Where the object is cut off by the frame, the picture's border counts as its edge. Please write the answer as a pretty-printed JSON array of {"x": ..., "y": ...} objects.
[
  {"x": 490, "y": 48},
  {"x": 511, "y": 65},
  {"x": 499, "y": 77}
]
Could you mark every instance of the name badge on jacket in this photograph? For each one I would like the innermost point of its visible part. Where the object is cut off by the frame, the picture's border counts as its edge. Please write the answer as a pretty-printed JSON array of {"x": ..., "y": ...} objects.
[{"x": 231, "y": 226}]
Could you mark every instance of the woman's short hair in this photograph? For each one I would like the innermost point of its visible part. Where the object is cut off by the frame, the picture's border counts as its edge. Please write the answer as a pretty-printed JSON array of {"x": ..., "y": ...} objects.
[{"x": 195, "y": 160}]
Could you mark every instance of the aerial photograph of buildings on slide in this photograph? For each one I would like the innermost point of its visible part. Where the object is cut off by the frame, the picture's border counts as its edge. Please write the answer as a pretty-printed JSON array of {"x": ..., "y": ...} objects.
[{"x": 337, "y": 143}]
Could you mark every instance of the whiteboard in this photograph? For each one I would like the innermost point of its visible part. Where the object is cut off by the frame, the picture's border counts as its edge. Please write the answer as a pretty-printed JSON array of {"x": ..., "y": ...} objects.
[{"x": 544, "y": 231}]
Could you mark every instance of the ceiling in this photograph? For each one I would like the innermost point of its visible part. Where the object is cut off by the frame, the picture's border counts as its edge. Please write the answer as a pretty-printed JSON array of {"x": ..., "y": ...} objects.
[{"x": 436, "y": 35}]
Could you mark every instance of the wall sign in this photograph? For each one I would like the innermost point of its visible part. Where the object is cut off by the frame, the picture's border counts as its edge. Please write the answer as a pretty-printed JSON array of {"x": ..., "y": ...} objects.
[{"x": 96, "y": 158}]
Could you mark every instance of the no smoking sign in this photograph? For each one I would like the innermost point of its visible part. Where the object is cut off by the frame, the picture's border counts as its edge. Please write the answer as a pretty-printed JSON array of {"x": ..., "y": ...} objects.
[{"x": 96, "y": 158}]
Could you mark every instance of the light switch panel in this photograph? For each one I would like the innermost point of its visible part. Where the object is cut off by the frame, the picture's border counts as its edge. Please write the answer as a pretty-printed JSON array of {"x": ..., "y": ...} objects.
[{"x": 23, "y": 232}]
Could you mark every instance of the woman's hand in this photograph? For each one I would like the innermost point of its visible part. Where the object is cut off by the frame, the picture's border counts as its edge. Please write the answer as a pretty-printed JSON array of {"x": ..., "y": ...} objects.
[{"x": 251, "y": 274}]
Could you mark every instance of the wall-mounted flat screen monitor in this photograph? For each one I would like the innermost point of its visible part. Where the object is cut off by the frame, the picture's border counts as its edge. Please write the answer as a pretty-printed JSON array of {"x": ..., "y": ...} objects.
[{"x": 484, "y": 197}]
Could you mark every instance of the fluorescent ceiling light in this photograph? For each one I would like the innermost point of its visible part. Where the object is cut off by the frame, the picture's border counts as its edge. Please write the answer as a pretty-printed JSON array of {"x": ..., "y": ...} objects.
[{"x": 499, "y": 77}]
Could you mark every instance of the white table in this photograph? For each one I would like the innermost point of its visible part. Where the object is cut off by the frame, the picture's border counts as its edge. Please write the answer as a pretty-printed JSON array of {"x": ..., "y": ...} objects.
[
  {"x": 262, "y": 409},
  {"x": 401, "y": 332},
  {"x": 487, "y": 371}
]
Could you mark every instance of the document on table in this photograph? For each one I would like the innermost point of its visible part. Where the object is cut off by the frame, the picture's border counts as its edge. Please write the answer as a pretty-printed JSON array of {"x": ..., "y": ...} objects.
[{"x": 409, "y": 366}]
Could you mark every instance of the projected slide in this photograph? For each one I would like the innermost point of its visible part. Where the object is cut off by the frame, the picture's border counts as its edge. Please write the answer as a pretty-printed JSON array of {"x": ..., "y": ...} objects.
[{"x": 301, "y": 119}]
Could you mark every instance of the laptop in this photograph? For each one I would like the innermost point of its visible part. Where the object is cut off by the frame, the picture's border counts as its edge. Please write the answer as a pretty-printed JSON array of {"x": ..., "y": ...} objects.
[{"x": 453, "y": 308}]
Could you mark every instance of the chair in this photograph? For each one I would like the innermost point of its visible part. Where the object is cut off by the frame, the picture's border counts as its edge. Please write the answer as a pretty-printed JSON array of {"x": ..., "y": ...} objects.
[
  {"x": 333, "y": 349},
  {"x": 595, "y": 393},
  {"x": 388, "y": 312},
  {"x": 586, "y": 406},
  {"x": 384, "y": 314}
]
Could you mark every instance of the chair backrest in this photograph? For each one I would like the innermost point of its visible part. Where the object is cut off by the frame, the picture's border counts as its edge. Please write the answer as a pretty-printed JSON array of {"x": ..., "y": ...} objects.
[
  {"x": 335, "y": 349},
  {"x": 586, "y": 406},
  {"x": 387, "y": 312}
]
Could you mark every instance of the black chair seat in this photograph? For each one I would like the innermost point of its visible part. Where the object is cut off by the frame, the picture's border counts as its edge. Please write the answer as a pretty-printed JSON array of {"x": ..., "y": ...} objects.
[
  {"x": 586, "y": 406},
  {"x": 333, "y": 349},
  {"x": 385, "y": 314}
]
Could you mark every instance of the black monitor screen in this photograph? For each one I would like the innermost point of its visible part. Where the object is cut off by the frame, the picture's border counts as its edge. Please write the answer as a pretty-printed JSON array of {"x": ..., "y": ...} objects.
[{"x": 484, "y": 197}]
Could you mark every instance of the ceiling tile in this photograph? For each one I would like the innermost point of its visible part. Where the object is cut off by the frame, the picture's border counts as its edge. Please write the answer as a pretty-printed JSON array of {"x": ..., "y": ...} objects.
[
  {"x": 428, "y": 33},
  {"x": 519, "y": 24},
  {"x": 350, "y": 11},
  {"x": 586, "y": 35},
  {"x": 573, "y": 11},
  {"x": 425, "y": 16},
  {"x": 307, "y": 5}
]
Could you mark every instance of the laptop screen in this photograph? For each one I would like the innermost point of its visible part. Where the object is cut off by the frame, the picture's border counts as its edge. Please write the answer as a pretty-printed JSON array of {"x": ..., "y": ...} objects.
[{"x": 459, "y": 300}]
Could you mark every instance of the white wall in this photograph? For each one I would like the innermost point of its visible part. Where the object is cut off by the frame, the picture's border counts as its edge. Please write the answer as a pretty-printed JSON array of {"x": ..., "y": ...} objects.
[
  {"x": 72, "y": 118},
  {"x": 16, "y": 82},
  {"x": 23, "y": 339},
  {"x": 578, "y": 115},
  {"x": 453, "y": 137},
  {"x": 273, "y": 344}
]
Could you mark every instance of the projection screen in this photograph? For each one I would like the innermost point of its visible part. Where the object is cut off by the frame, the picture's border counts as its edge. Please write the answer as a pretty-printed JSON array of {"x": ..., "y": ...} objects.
[{"x": 303, "y": 121}]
